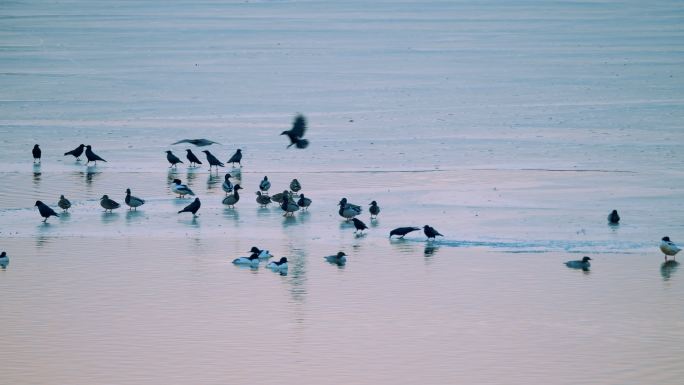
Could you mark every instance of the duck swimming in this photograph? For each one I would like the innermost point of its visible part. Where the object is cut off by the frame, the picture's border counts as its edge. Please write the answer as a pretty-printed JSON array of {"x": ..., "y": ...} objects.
[
  {"x": 338, "y": 259},
  {"x": 581, "y": 264},
  {"x": 279, "y": 265}
]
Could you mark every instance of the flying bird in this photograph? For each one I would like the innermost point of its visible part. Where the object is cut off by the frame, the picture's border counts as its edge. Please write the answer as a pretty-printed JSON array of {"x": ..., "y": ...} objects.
[
  {"x": 92, "y": 157},
  {"x": 236, "y": 158},
  {"x": 181, "y": 189},
  {"x": 172, "y": 159},
  {"x": 213, "y": 161},
  {"x": 36, "y": 153},
  {"x": 197, "y": 142},
  {"x": 431, "y": 232},
  {"x": 192, "y": 158},
  {"x": 63, "y": 203},
  {"x": 132, "y": 201},
  {"x": 45, "y": 211},
  {"x": 192, "y": 208},
  {"x": 76, "y": 152},
  {"x": 296, "y": 134},
  {"x": 402, "y": 231}
]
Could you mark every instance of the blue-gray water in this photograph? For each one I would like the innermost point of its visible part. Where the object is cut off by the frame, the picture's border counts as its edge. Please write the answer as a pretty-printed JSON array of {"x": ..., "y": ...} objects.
[{"x": 512, "y": 127}]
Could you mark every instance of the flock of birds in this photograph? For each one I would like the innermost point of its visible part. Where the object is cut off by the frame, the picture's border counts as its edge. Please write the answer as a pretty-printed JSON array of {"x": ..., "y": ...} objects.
[{"x": 285, "y": 200}]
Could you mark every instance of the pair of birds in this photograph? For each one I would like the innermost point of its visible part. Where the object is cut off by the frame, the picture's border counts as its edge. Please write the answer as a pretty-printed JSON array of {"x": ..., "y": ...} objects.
[
  {"x": 257, "y": 255},
  {"x": 429, "y": 231},
  {"x": 90, "y": 155},
  {"x": 668, "y": 248},
  {"x": 213, "y": 161},
  {"x": 349, "y": 211},
  {"x": 131, "y": 201}
]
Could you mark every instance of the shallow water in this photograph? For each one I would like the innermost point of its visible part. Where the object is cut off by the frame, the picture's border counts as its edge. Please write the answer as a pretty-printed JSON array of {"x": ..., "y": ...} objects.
[{"x": 512, "y": 127}]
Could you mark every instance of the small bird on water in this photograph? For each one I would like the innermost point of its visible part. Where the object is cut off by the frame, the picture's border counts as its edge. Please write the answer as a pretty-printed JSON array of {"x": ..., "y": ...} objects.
[
  {"x": 192, "y": 158},
  {"x": 359, "y": 225},
  {"x": 45, "y": 211},
  {"x": 108, "y": 204},
  {"x": 4, "y": 260},
  {"x": 91, "y": 156},
  {"x": 402, "y": 231},
  {"x": 181, "y": 189},
  {"x": 295, "y": 186},
  {"x": 431, "y": 232},
  {"x": 236, "y": 158},
  {"x": 338, "y": 259},
  {"x": 231, "y": 200},
  {"x": 581, "y": 264},
  {"x": 213, "y": 161},
  {"x": 262, "y": 199},
  {"x": 296, "y": 134},
  {"x": 192, "y": 208},
  {"x": 264, "y": 185},
  {"x": 133, "y": 202},
  {"x": 76, "y": 152},
  {"x": 36, "y": 153},
  {"x": 613, "y": 218},
  {"x": 196, "y": 142},
  {"x": 63, "y": 203},
  {"x": 173, "y": 159},
  {"x": 669, "y": 248},
  {"x": 279, "y": 265},
  {"x": 304, "y": 202},
  {"x": 374, "y": 210},
  {"x": 227, "y": 185},
  {"x": 348, "y": 210}
]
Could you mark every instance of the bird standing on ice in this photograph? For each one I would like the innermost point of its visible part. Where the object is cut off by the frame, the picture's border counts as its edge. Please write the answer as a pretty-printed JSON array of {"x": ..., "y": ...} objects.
[{"x": 669, "y": 248}]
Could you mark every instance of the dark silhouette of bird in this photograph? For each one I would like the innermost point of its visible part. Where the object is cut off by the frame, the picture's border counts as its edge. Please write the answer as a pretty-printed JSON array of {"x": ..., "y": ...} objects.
[
  {"x": 231, "y": 200},
  {"x": 583, "y": 264},
  {"x": 213, "y": 161},
  {"x": 288, "y": 204},
  {"x": 227, "y": 185},
  {"x": 374, "y": 210},
  {"x": 431, "y": 232},
  {"x": 236, "y": 158},
  {"x": 45, "y": 211},
  {"x": 91, "y": 156},
  {"x": 359, "y": 225},
  {"x": 76, "y": 152},
  {"x": 192, "y": 158},
  {"x": 108, "y": 204},
  {"x": 196, "y": 142},
  {"x": 295, "y": 186},
  {"x": 174, "y": 160},
  {"x": 279, "y": 197},
  {"x": 36, "y": 153},
  {"x": 401, "y": 231},
  {"x": 304, "y": 202},
  {"x": 4, "y": 260},
  {"x": 63, "y": 203},
  {"x": 613, "y": 218},
  {"x": 192, "y": 207},
  {"x": 297, "y": 132},
  {"x": 264, "y": 185},
  {"x": 263, "y": 200}
]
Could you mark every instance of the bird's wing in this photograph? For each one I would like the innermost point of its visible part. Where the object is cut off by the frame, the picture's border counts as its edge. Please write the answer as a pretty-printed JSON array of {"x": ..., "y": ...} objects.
[
  {"x": 299, "y": 126},
  {"x": 182, "y": 141}
]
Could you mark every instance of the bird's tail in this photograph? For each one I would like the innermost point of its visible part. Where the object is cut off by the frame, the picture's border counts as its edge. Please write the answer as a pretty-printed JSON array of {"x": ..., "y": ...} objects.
[
  {"x": 302, "y": 143},
  {"x": 180, "y": 211}
]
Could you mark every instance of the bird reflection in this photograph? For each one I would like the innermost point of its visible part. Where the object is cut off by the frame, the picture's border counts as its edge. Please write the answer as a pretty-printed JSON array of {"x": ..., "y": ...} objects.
[
  {"x": 36, "y": 173},
  {"x": 190, "y": 176},
  {"x": 668, "y": 268},
  {"x": 109, "y": 217},
  {"x": 213, "y": 181},
  {"x": 90, "y": 174},
  {"x": 430, "y": 250}
]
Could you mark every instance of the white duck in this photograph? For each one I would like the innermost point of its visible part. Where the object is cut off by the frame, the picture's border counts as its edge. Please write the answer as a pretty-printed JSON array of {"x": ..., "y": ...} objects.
[
  {"x": 181, "y": 189},
  {"x": 279, "y": 265},
  {"x": 668, "y": 247},
  {"x": 251, "y": 261}
]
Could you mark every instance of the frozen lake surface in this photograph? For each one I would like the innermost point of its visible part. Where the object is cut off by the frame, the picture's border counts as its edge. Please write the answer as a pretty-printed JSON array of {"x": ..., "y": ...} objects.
[{"x": 513, "y": 127}]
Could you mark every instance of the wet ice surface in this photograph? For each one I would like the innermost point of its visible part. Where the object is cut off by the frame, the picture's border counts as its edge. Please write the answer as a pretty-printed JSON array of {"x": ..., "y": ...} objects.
[{"x": 512, "y": 128}]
